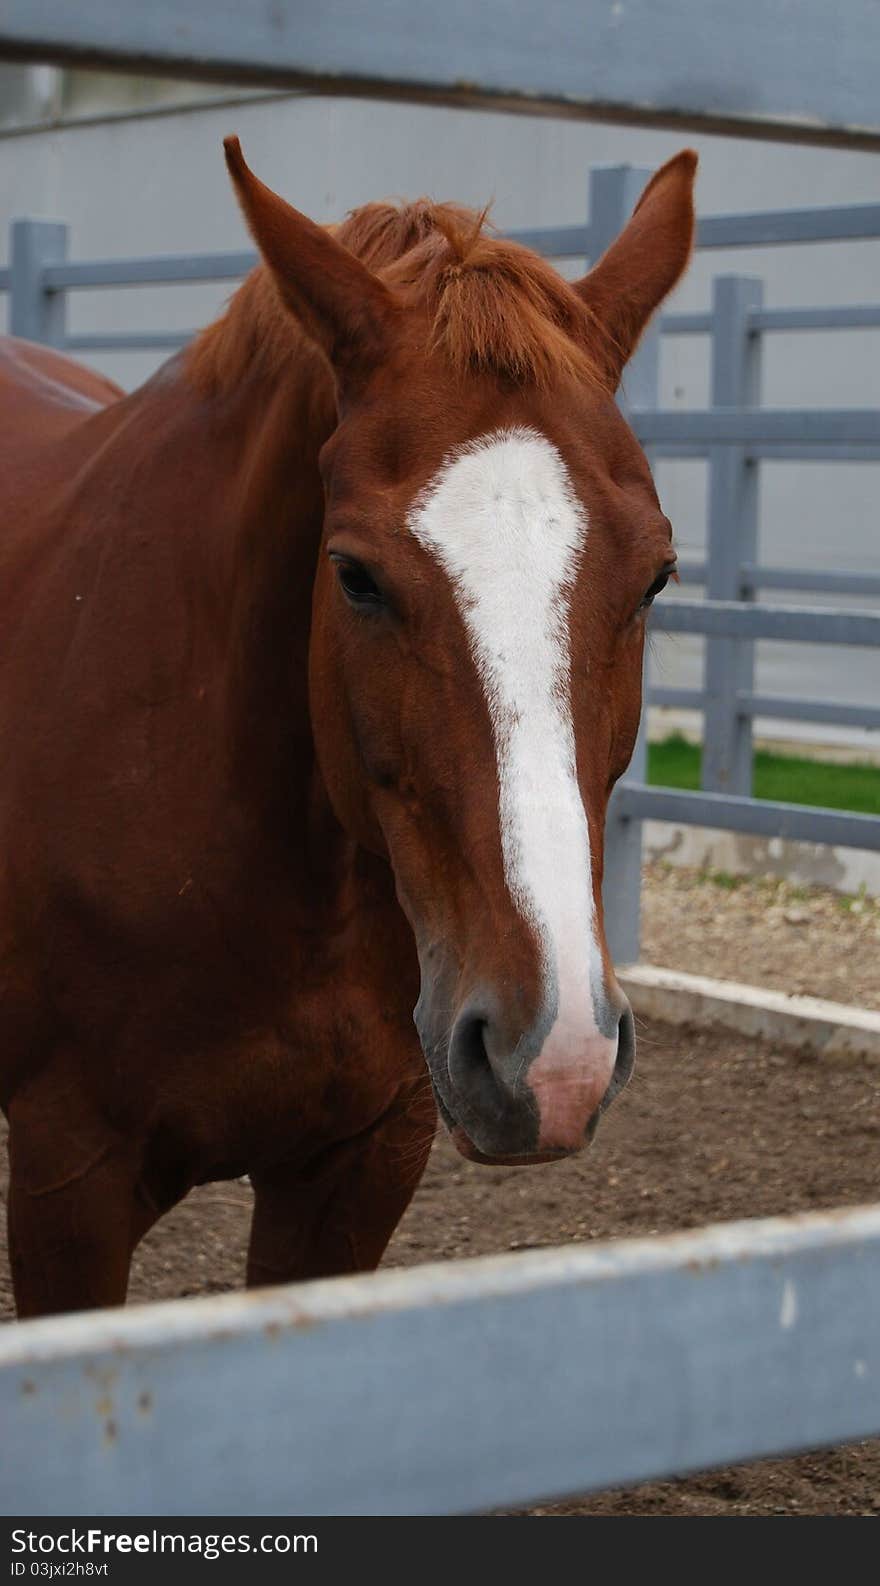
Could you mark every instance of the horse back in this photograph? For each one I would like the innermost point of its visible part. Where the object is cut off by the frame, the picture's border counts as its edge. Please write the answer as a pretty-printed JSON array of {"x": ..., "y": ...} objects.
[
  {"x": 48, "y": 404},
  {"x": 43, "y": 393}
]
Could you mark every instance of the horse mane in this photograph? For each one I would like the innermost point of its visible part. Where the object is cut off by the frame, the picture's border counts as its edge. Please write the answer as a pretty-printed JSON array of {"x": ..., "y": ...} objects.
[{"x": 493, "y": 305}]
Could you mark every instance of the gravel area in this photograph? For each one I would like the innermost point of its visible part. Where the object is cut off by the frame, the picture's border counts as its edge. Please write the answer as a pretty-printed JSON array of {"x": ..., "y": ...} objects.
[{"x": 805, "y": 941}]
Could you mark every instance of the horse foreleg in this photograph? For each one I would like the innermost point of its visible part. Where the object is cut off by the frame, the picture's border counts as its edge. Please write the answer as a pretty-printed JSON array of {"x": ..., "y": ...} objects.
[
  {"x": 71, "y": 1205},
  {"x": 339, "y": 1217}
]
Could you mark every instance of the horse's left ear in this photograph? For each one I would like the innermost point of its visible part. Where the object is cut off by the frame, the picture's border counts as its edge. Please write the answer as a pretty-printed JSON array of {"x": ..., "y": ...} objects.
[
  {"x": 642, "y": 266},
  {"x": 337, "y": 300}
]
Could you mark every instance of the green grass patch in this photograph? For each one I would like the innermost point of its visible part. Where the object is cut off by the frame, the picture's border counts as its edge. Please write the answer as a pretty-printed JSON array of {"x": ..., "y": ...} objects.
[{"x": 676, "y": 763}]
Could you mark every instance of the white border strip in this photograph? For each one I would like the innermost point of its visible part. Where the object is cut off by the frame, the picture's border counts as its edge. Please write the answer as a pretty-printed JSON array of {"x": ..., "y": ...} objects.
[{"x": 831, "y": 1029}]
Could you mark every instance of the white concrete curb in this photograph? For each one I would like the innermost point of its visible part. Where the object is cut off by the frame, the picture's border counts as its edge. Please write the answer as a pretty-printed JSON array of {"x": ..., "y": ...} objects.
[{"x": 831, "y": 1029}]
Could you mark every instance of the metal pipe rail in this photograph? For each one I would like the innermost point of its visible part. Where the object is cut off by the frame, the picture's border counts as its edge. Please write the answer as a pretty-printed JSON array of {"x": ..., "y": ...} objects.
[
  {"x": 774, "y": 451},
  {"x": 819, "y": 580},
  {"x": 762, "y": 228},
  {"x": 856, "y": 316},
  {"x": 743, "y": 426},
  {"x": 747, "y": 71},
  {"x": 752, "y": 817},
  {"x": 779, "y": 706},
  {"x": 457, "y": 1387},
  {"x": 160, "y": 269},
  {"x": 129, "y": 341},
  {"x": 818, "y": 710},
  {"x": 771, "y": 228},
  {"x": 735, "y": 620}
]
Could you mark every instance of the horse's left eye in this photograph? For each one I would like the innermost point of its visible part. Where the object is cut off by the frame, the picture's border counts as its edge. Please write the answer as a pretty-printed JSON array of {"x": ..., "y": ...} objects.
[
  {"x": 656, "y": 588},
  {"x": 357, "y": 584}
]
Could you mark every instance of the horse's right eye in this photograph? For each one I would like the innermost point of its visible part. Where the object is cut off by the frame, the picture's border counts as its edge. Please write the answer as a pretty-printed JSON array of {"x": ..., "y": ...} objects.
[
  {"x": 658, "y": 586},
  {"x": 358, "y": 586}
]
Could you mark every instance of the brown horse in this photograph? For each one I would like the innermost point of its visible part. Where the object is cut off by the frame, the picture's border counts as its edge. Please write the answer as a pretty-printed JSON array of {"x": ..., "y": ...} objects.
[{"x": 320, "y": 656}]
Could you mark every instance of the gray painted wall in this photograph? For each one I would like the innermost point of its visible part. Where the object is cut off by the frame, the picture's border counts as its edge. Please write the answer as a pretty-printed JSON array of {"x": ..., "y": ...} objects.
[{"x": 152, "y": 183}]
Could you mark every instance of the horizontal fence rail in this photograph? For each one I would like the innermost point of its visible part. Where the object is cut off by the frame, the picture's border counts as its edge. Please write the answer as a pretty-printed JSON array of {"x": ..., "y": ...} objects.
[
  {"x": 774, "y": 228},
  {"x": 770, "y": 228},
  {"x": 856, "y": 222},
  {"x": 813, "y": 82},
  {"x": 862, "y": 316},
  {"x": 814, "y": 451},
  {"x": 858, "y": 316},
  {"x": 162, "y": 269},
  {"x": 836, "y": 715},
  {"x": 454, "y": 1388},
  {"x": 735, "y": 620},
  {"x": 826, "y": 581},
  {"x": 780, "y": 706},
  {"x": 129, "y": 341},
  {"x": 752, "y": 817},
  {"x": 761, "y": 229},
  {"x": 737, "y": 427}
]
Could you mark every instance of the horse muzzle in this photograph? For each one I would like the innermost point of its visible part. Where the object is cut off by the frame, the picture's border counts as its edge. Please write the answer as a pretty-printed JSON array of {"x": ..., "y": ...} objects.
[{"x": 526, "y": 1097}]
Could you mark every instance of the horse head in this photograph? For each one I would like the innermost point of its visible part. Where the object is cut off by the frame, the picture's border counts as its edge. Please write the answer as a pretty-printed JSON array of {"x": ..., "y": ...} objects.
[{"x": 492, "y": 542}]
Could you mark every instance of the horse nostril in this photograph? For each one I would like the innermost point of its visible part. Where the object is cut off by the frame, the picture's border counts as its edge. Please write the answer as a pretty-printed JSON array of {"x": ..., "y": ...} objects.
[
  {"x": 626, "y": 1057},
  {"x": 486, "y": 1067},
  {"x": 470, "y": 1067},
  {"x": 497, "y": 1112}
]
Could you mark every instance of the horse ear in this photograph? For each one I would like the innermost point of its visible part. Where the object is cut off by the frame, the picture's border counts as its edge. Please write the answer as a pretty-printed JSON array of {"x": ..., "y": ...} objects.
[
  {"x": 646, "y": 261},
  {"x": 337, "y": 300}
]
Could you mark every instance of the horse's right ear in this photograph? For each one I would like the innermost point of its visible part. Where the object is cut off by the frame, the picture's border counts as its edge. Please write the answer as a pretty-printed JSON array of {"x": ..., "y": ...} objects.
[
  {"x": 337, "y": 300},
  {"x": 642, "y": 266}
]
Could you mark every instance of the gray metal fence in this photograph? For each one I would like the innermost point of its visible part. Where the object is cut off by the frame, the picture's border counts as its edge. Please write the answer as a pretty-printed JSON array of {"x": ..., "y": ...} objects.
[
  {"x": 500, "y": 1381},
  {"x": 734, "y": 435},
  {"x": 743, "y": 69},
  {"x": 456, "y": 1387}
]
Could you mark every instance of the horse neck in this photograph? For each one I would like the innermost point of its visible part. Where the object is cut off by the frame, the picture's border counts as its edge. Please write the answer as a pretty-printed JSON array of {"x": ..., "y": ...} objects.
[
  {"x": 272, "y": 520},
  {"x": 230, "y": 503}
]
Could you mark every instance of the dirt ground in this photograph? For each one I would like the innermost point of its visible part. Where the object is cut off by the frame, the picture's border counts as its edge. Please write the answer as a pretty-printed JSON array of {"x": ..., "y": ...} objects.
[
  {"x": 712, "y": 1128},
  {"x": 806, "y": 941}
]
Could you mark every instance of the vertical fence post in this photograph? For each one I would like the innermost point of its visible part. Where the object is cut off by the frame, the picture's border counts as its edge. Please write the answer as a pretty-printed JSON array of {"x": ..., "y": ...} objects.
[
  {"x": 34, "y": 313},
  {"x": 732, "y": 536},
  {"x": 614, "y": 193}
]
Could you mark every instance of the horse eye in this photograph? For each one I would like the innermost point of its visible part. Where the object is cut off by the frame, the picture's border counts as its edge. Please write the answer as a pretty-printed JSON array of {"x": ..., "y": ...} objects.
[
  {"x": 656, "y": 588},
  {"x": 357, "y": 584}
]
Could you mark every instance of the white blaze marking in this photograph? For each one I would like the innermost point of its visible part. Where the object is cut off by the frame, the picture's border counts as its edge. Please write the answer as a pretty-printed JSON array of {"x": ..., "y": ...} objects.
[{"x": 503, "y": 520}]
